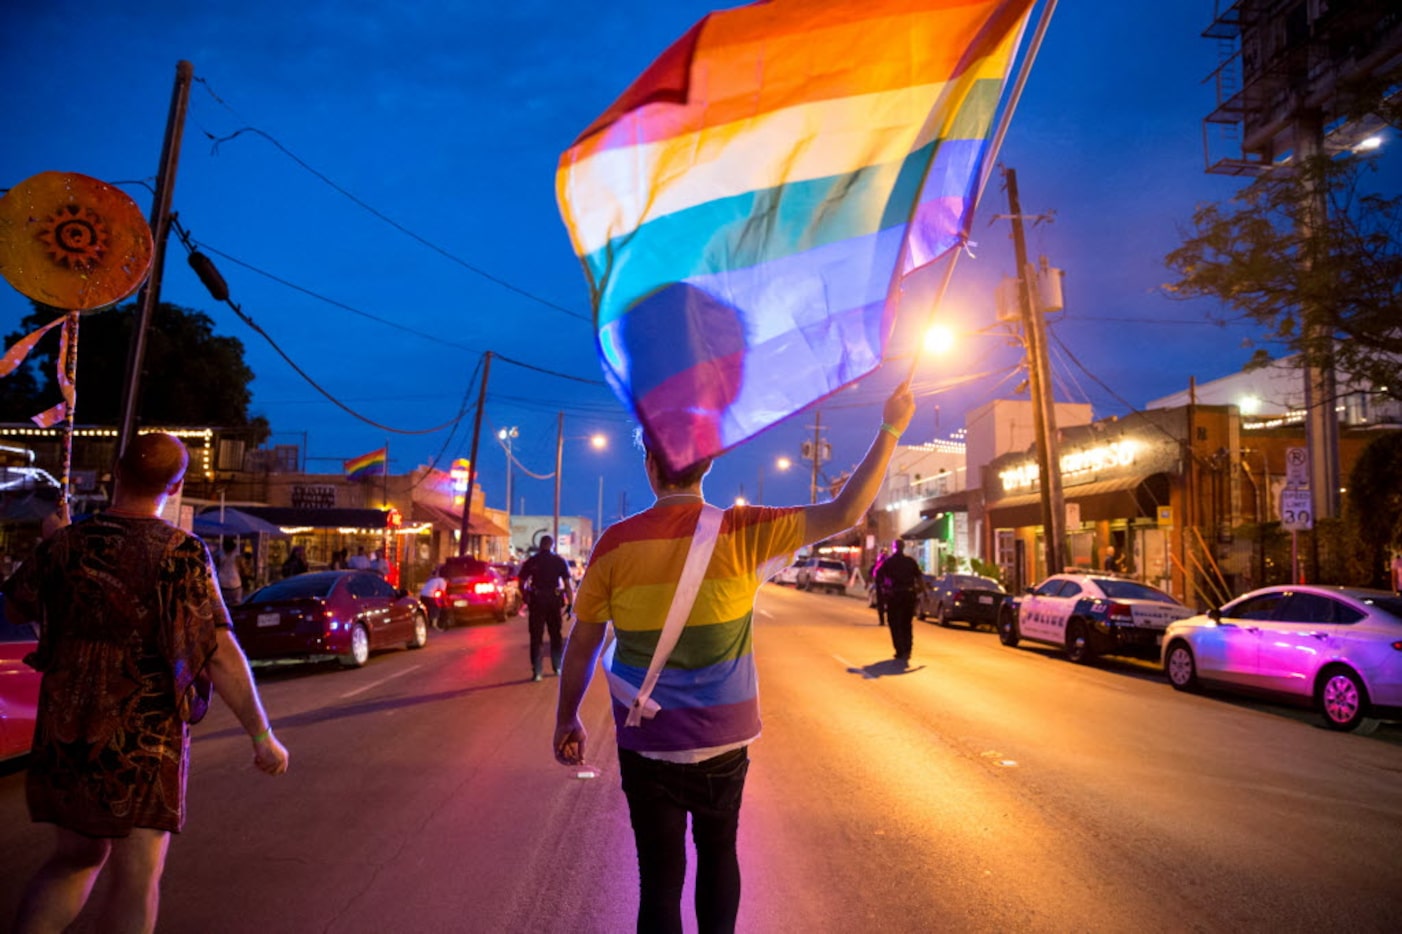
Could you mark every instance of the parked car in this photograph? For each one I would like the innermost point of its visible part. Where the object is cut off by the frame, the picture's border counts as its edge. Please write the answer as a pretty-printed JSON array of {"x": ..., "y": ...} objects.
[
  {"x": 965, "y": 598},
  {"x": 788, "y": 574},
  {"x": 510, "y": 575},
  {"x": 822, "y": 574},
  {"x": 1090, "y": 614},
  {"x": 475, "y": 590},
  {"x": 1338, "y": 648},
  {"x": 341, "y": 614},
  {"x": 19, "y": 687}
]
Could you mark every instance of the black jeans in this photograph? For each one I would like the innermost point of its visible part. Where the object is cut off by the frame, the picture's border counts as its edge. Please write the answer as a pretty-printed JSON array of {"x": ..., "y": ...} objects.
[
  {"x": 900, "y": 608},
  {"x": 544, "y": 617},
  {"x": 660, "y": 795}
]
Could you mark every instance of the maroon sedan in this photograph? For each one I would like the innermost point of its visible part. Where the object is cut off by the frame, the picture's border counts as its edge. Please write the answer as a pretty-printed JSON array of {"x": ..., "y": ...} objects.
[
  {"x": 19, "y": 688},
  {"x": 340, "y": 614}
]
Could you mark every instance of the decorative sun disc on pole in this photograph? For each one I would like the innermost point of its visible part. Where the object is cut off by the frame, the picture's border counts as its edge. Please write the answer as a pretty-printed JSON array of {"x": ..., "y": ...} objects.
[{"x": 73, "y": 242}]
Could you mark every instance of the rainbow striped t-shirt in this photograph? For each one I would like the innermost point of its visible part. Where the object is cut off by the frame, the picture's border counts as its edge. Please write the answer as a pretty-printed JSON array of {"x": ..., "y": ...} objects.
[{"x": 709, "y": 690}]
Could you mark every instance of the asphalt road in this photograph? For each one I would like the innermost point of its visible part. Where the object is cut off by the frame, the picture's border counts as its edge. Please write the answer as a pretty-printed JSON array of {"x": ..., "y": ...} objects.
[{"x": 983, "y": 789}]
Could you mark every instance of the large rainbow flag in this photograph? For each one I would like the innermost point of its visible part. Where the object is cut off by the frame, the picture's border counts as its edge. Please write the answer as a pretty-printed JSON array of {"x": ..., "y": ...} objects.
[{"x": 746, "y": 209}]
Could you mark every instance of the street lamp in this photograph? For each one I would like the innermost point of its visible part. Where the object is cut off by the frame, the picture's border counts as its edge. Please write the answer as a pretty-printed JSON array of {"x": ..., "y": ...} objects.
[
  {"x": 781, "y": 464},
  {"x": 505, "y": 436},
  {"x": 597, "y": 441}
]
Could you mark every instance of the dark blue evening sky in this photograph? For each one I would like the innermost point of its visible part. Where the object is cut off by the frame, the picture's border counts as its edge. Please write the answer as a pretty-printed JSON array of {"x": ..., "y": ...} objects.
[{"x": 447, "y": 118}]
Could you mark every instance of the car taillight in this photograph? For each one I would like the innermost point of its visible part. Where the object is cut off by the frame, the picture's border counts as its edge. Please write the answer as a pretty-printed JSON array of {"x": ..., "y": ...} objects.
[
  {"x": 438, "y": 593},
  {"x": 958, "y": 595},
  {"x": 1120, "y": 612},
  {"x": 484, "y": 587},
  {"x": 1397, "y": 645}
]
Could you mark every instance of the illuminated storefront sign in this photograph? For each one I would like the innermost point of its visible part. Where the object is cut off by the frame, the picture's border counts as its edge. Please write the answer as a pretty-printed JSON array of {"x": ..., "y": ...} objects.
[
  {"x": 1111, "y": 456},
  {"x": 460, "y": 472}
]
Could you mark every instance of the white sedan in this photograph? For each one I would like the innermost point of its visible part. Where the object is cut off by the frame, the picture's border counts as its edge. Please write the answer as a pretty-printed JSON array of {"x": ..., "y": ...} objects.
[{"x": 1339, "y": 648}]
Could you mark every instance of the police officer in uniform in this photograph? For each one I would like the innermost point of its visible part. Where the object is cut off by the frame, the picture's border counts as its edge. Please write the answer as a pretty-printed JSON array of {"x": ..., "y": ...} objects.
[
  {"x": 545, "y": 578},
  {"x": 901, "y": 581}
]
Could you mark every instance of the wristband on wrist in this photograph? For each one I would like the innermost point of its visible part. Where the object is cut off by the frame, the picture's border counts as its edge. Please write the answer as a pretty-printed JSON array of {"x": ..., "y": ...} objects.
[
  {"x": 891, "y": 430},
  {"x": 259, "y": 737}
]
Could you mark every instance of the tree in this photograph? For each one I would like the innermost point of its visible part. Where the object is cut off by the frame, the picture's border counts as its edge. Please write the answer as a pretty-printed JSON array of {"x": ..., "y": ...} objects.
[
  {"x": 1334, "y": 296},
  {"x": 1375, "y": 500},
  {"x": 192, "y": 377}
]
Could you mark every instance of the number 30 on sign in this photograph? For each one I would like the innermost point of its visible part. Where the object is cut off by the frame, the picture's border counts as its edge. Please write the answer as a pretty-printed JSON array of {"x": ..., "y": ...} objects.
[{"x": 1296, "y": 510}]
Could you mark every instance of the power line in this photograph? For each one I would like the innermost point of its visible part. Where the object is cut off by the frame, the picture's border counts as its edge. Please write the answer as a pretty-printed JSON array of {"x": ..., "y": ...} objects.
[
  {"x": 219, "y": 290},
  {"x": 379, "y": 214}
]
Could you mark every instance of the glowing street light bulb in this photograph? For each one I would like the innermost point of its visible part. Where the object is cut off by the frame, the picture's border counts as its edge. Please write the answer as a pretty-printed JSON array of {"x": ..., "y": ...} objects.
[
  {"x": 1369, "y": 144},
  {"x": 599, "y": 441},
  {"x": 938, "y": 339},
  {"x": 783, "y": 463}
]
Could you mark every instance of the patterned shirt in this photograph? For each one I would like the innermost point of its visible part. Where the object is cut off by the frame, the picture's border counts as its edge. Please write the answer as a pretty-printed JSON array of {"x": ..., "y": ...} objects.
[
  {"x": 708, "y": 691},
  {"x": 129, "y": 608}
]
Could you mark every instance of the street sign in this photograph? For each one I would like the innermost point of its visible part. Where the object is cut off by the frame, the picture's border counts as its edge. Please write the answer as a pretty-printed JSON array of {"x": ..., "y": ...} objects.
[
  {"x": 1297, "y": 467},
  {"x": 1296, "y": 510}
]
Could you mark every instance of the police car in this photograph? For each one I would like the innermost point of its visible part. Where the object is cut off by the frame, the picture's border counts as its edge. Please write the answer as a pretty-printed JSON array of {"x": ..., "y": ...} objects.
[{"x": 1091, "y": 614}]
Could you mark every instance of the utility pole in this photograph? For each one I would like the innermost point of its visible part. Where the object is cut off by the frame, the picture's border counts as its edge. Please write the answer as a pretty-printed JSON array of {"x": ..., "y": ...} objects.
[
  {"x": 818, "y": 450},
  {"x": 1321, "y": 421},
  {"x": 1039, "y": 379},
  {"x": 472, "y": 462},
  {"x": 160, "y": 230}
]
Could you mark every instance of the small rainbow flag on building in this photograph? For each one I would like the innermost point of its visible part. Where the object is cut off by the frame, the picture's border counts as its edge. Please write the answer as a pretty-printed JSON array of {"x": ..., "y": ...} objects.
[
  {"x": 374, "y": 464},
  {"x": 746, "y": 210}
]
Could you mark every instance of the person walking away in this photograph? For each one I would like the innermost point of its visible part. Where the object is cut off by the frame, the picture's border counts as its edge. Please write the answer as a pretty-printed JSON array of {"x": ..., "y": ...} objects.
[
  {"x": 902, "y": 581},
  {"x": 877, "y": 593},
  {"x": 378, "y": 564},
  {"x": 431, "y": 596},
  {"x": 231, "y": 573},
  {"x": 133, "y": 633},
  {"x": 296, "y": 562},
  {"x": 545, "y": 579},
  {"x": 358, "y": 561},
  {"x": 683, "y": 750}
]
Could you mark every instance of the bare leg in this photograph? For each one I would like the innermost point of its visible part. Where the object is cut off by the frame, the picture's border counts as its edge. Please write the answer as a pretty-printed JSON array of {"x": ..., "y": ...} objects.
[
  {"x": 62, "y": 885},
  {"x": 135, "y": 875}
]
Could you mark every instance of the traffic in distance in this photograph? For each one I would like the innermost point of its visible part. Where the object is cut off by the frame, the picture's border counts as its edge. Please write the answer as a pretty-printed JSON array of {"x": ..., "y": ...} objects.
[{"x": 1337, "y": 650}]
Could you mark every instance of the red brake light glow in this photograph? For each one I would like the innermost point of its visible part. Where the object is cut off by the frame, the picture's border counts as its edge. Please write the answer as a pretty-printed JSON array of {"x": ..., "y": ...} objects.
[{"x": 484, "y": 587}]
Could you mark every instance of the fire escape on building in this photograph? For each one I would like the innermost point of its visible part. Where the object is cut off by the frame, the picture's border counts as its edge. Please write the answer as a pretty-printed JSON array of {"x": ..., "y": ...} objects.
[{"x": 1278, "y": 59}]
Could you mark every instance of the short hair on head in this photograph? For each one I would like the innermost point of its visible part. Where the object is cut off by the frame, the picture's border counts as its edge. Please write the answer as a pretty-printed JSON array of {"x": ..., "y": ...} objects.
[
  {"x": 688, "y": 476},
  {"x": 152, "y": 463},
  {"x": 546, "y": 543}
]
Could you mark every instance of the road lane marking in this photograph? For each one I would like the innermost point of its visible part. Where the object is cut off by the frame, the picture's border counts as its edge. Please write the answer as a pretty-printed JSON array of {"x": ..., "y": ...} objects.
[
  {"x": 855, "y": 669},
  {"x": 375, "y": 684}
]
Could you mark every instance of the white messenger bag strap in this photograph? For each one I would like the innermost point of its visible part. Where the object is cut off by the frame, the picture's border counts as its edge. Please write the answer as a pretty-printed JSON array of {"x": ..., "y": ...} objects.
[{"x": 703, "y": 542}]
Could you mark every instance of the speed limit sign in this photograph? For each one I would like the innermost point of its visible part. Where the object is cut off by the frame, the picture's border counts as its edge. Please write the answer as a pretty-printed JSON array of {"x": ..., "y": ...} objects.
[{"x": 1296, "y": 510}]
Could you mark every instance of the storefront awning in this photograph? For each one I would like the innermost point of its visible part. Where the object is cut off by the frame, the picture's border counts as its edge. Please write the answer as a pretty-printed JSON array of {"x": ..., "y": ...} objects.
[
  {"x": 446, "y": 521},
  {"x": 1130, "y": 497},
  {"x": 1081, "y": 491},
  {"x": 925, "y": 528},
  {"x": 287, "y": 517}
]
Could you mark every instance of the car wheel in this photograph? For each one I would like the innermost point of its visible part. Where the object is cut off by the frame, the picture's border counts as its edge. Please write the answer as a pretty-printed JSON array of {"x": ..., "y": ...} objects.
[
  {"x": 359, "y": 652},
  {"x": 420, "y": 632},
  {"x": 1078, "y": 647},
  {"x": 500, "y": 614},
  {"x": 1343, "y": 701},
  {"x": 944, "y": 616},
  {"x": 1007, "y": 628},
  {"x": 1181, "y": 667}
]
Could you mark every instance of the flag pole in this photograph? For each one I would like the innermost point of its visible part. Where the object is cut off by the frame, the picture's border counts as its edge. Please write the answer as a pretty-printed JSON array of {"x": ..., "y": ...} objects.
[{"x": 1000, "y": 132}]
